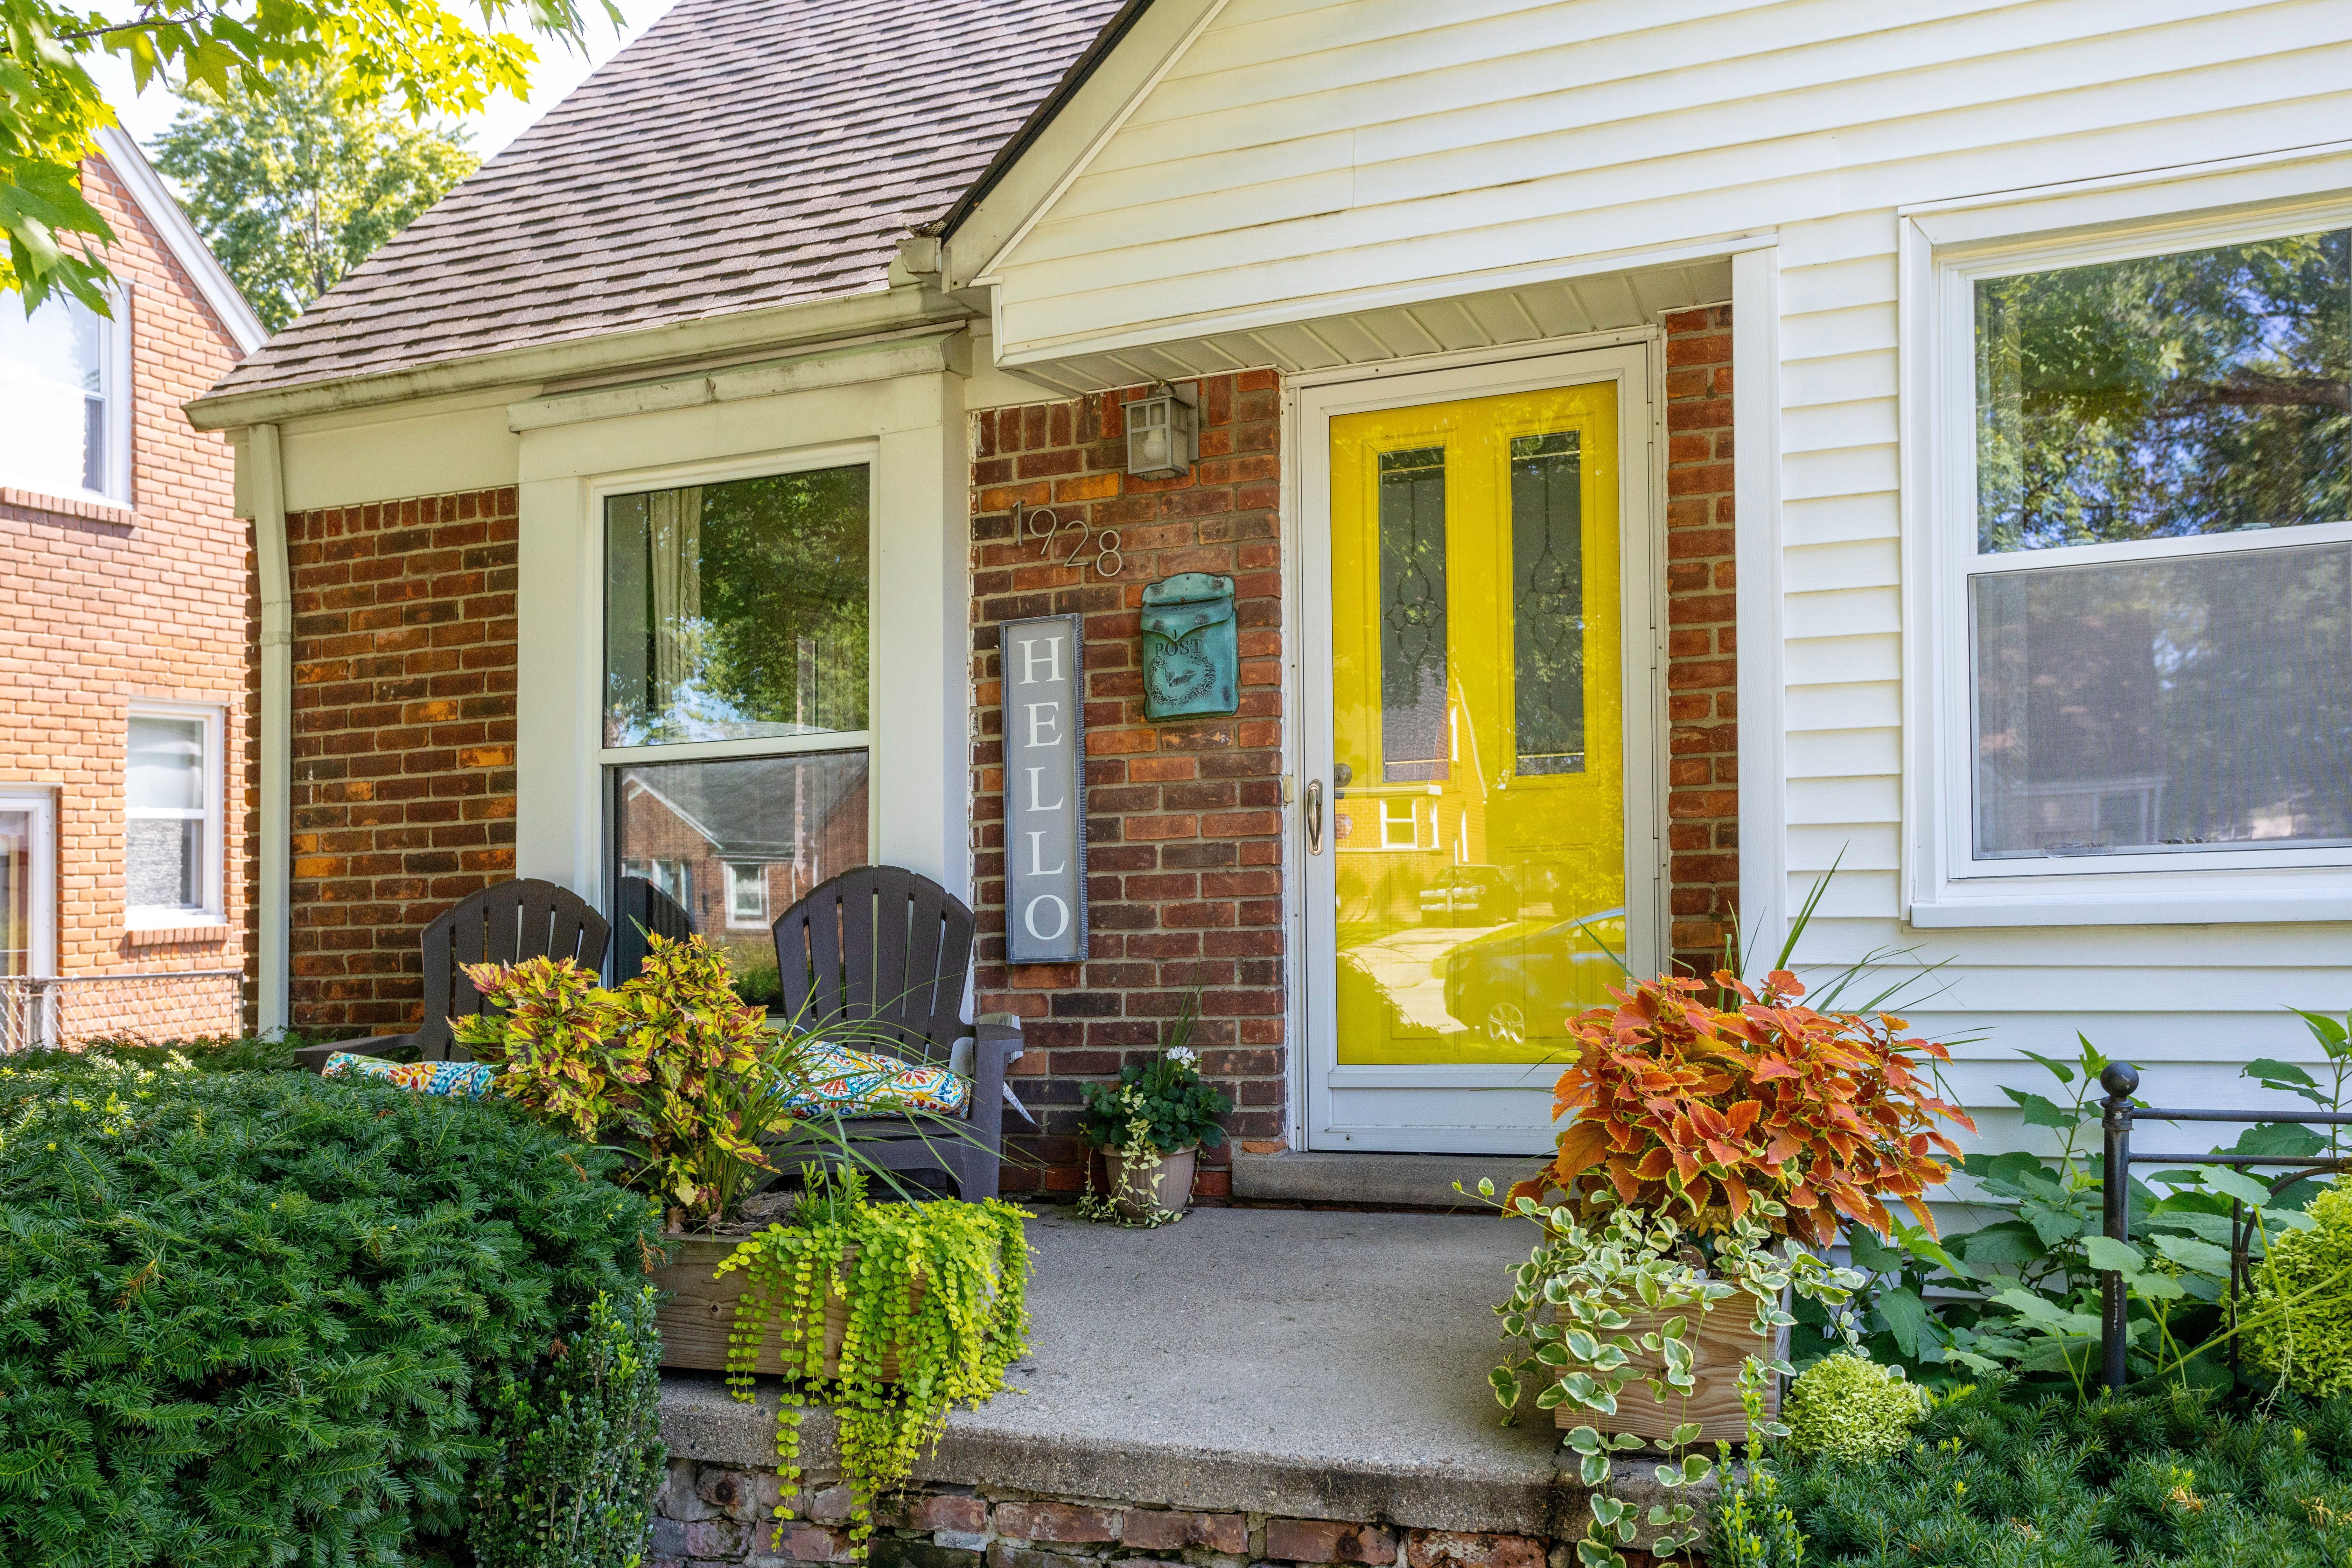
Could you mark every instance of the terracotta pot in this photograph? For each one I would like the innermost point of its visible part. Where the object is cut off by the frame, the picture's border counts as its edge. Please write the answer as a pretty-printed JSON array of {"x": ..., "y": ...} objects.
[
  {"x": 1720, "y": 1341},
  {"x": 1141, "y": 1187},
  {"x": 700, "y": 1313}
]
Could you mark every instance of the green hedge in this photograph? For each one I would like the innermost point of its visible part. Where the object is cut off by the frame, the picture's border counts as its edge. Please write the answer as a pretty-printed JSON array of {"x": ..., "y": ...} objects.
[
  {"x": 253, "y": 1318},
  {"x": 1996, "y": 1479}
]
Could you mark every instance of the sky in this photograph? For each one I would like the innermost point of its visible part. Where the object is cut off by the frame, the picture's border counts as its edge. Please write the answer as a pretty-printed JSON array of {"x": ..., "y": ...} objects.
[{"x": 559, "y": 70}]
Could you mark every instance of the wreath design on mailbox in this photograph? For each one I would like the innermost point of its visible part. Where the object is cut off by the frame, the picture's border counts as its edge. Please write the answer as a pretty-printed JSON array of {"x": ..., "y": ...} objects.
[{"x": 1192, "y": 654}]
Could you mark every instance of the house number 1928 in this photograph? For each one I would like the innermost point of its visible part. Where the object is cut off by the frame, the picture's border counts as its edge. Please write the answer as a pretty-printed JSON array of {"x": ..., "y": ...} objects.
[{"x": 1040, "y": 523}]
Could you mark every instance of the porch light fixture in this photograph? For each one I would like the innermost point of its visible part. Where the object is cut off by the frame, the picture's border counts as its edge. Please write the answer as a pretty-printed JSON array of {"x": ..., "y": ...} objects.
[{"x": 1162, "y": 434}]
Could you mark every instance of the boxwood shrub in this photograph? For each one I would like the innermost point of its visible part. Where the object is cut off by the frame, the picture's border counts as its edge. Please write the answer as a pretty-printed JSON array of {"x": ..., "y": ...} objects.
[{"x": 257, "y": 1318}]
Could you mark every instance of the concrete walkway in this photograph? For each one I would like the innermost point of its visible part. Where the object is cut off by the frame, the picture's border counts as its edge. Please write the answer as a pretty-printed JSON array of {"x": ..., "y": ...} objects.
[{"x": 1307, "y": 1363}]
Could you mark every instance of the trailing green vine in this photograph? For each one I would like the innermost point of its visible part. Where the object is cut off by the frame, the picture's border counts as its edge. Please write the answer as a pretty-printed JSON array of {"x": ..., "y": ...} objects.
[{"x": 934, "y": 1299}]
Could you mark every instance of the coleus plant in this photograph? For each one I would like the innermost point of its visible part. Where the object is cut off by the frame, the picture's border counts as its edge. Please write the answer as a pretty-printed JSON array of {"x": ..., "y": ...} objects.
[{"x": 1681, "y": 1105}]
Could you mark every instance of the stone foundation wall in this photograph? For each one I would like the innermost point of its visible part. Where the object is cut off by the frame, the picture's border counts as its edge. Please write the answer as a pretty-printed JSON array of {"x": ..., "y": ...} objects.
[{"x": 713, "y": 1514}]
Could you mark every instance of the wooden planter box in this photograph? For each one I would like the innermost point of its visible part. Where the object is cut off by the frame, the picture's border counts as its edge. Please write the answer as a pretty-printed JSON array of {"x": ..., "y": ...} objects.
[
  {"x": 700, "y": 1313},
  {"x": 1720, "y": 1341}
]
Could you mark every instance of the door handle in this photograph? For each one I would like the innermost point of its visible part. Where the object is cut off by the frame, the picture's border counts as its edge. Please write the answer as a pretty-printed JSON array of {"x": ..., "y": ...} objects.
[{"x": 1314, "y": 816}]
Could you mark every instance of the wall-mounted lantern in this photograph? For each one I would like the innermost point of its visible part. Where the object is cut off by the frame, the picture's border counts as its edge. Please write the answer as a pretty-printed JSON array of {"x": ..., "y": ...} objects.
[{"x": 1162, "y": 434}]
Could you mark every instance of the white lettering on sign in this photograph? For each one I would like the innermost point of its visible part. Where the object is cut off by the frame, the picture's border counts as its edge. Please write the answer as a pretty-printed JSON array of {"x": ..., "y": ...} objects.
[{"x": 1044, "y": 795}]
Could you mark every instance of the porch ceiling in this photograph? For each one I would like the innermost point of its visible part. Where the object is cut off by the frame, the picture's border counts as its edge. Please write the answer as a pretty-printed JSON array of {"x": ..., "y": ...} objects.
[{"x": 1530, "y": 312}]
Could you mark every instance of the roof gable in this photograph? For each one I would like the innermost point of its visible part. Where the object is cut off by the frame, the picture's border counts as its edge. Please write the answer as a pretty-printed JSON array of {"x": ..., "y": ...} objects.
[{"x": 741, "y": 153}]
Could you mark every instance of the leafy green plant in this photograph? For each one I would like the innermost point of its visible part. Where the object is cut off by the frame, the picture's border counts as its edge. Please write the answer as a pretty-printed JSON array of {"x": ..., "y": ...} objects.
[
  {"x": 1852, "y": 1408},
  {"x": 245, "y": 1317},
  {"x": 1157, "y": 1105},
  {"x": 201, "y": 1053},
  {"x": 671, "y": 1061},
  {"x": 934, "y": 1300},
  {"x": 1574, "y": 1319},
  {"x": 576, "y": 1448},
  {"x": 2303, "y": 1302},
  {"x": 1753, "y": 1527}
]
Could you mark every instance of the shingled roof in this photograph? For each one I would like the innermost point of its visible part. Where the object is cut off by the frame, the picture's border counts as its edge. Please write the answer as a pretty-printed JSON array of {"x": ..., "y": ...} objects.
[{"x": 741, "y": 153}]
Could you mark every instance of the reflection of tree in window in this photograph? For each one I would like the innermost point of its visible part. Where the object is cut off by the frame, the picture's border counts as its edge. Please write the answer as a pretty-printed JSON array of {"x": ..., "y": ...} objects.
[
  {"x": 737, "y": 609},
  {"x": 2167, "y": 395},
  {"x": 1412, "y": 615},
  {"x": 1547, "y": 603}
]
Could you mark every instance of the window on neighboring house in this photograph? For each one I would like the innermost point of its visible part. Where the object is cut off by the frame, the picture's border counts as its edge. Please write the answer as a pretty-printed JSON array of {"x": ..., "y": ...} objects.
[
  {"x": 736, "y": 658},
  {"x": 2158, "y": 597},
  {"x": 64, "y": 424},
  {"x": 28, "y": 889},
  {"x": 171, "y": 865}
]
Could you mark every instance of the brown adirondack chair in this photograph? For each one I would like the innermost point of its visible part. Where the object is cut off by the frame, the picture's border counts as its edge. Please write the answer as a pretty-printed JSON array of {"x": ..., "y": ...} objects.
[
  {"x": 643, "y": 905},
  {"x": 514, "y": 921},
  {"x": 890, "y": 950}
]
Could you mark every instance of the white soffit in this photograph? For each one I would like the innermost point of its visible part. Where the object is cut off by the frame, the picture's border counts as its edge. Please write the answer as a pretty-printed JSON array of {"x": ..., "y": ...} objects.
[{"x": 1530, "y": 312}]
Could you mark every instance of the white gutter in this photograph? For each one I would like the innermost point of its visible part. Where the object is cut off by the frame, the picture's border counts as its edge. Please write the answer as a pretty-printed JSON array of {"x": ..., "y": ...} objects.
[{"x": 265, "y": 480}]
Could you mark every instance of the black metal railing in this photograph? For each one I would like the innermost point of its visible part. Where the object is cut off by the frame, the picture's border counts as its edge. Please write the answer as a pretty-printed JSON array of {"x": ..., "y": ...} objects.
[{"x": 2121, "y": 1080}]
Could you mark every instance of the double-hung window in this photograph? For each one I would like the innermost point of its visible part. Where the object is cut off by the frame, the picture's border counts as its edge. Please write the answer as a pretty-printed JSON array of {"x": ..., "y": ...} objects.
[
  {"x": 65, "y": 415},
  {"x": 172, "y": 816},
  {"x": 735, "y": 708},
  {"x": 2145, "y": 576}
]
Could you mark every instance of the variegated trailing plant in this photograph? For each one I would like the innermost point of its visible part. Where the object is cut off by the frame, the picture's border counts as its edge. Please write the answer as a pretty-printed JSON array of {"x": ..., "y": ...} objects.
[{"x": 1571, "y": 1321}]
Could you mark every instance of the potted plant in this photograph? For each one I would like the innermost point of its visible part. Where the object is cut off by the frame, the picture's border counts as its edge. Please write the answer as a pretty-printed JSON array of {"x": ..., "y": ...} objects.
[
  {"x": 1150, "y": 1125},
  {"x": 1707, "y": 1147}
]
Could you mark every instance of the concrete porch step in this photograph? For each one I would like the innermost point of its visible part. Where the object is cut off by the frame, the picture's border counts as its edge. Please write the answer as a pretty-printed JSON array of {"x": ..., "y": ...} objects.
[{"x": 1346, "y": 1176}]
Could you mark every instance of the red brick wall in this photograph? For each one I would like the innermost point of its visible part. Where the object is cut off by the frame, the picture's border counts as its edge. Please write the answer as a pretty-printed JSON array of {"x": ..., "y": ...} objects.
[
  {"x": 153, "y": 601},
  {"x": 404, "y": 788},
  {"x": 1184, "y": 824},
  {"x": 1702, "y": 665}
]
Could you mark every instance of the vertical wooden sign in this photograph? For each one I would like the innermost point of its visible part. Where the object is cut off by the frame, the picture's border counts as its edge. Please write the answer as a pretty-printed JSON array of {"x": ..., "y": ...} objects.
[{"x": 1044, "y": 790}]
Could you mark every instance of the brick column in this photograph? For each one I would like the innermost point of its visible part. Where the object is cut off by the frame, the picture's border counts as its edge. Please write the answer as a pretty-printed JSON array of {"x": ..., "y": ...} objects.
[
  {"x": 1184, "y": 824},
  {"x": 1702, "y": 669}
]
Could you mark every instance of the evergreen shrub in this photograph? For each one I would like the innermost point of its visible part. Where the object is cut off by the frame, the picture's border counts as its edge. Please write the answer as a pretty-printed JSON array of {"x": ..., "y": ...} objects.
[
  {"x": 2166, "y": 1478},
  {"x": 1850, "y": 1408},
  {"x": 2309, "y": 1346},
  {"x": 253, "y": 1318}
]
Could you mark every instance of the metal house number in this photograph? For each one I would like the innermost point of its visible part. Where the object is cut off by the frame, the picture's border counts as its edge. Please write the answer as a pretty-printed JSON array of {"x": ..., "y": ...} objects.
[{"x": 1027, "y": 526}]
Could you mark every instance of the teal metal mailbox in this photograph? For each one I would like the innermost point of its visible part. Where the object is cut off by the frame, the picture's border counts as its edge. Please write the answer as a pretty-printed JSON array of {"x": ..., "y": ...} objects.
[{"x": 1192, "y": 654}]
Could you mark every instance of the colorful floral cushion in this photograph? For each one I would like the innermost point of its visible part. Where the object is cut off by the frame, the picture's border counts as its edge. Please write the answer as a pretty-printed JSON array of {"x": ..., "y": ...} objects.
[
  {"x": 466, "y": 1078},
  {"x": 845, "y": 1081}
]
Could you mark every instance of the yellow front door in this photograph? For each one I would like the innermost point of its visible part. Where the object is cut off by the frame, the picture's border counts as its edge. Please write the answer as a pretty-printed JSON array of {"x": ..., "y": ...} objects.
[{"x": 1478, "y": 772}]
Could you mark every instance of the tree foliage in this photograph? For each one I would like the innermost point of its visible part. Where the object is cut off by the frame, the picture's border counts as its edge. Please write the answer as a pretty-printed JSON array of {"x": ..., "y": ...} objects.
[
  {"x": 430, "y": 58},
  {"x": 293, "y": 184}
]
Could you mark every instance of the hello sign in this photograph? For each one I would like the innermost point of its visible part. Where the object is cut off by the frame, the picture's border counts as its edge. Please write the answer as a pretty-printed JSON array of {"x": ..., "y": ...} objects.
[{"x": 1044, "y": 790}]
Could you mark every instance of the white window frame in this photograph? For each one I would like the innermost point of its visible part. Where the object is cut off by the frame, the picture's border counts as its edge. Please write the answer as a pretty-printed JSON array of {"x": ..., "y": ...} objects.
[
  {"x": 114, "y": 357},
  {"x": 211, "y": 879},
  {"x": 738, "y": 874},
  {"x": 1946, "y": 248},
  {"x": 604, "y": 761},
  {"x": 41, "y": 907}
]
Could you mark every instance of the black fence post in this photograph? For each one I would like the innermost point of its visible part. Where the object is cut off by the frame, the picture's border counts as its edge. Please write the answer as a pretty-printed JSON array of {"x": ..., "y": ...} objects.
[{"x": 2121, "y": 1080}]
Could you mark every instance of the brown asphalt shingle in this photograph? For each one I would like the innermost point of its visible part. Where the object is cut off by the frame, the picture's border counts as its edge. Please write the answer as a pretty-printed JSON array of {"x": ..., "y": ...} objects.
[{"x": 741, "y": 153}]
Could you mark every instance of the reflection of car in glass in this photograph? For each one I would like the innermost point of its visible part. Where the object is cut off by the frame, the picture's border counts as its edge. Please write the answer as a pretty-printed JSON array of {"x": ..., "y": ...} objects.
[
  {"x": 1529, "y": 979},
  {"x": 1469, "y": 896}
]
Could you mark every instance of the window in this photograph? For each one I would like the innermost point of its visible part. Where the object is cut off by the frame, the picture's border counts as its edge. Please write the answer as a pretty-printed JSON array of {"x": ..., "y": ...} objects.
[
  {"x": 27, "y": 883},
  {"x": 65, "y": 425},
  {"x": 736, "y": 659},
  {"x": 171, "y": 864},
  {"x": 2150, "y": 530}
]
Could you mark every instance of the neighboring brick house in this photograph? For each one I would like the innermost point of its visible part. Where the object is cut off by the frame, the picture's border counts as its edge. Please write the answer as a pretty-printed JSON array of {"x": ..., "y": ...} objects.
[{"x": 127, "y": 673}]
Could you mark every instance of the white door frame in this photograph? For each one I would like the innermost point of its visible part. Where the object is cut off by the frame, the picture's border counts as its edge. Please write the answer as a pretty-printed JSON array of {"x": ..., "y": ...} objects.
[
  {"x": 41, "y": 907},
  {"x": 1446, "y": 1110}
]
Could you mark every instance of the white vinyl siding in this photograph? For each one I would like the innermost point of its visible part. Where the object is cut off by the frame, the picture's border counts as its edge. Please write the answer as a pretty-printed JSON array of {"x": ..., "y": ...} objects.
[{"x": 1305, "y": 156}]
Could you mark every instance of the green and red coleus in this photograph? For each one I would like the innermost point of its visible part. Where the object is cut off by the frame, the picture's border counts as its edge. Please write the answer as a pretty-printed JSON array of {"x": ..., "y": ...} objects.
[{"x": 1679, "y": 1104}]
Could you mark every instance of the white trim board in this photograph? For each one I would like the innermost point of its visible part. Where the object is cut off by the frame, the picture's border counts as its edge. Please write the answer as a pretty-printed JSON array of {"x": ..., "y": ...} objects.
[{"x": 155, "y": 200}]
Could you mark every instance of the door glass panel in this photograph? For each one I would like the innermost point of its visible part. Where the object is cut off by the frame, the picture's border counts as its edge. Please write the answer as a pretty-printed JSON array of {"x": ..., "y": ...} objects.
[
  {"x": 1478, "y": 830},
  {"x": 16, "y": 891}
]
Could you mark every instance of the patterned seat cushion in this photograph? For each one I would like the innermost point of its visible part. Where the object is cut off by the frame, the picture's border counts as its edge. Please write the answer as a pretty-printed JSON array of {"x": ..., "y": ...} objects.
[
  {"x": 468, "y": 1079},
  {"x": 845, "y": 1081}
]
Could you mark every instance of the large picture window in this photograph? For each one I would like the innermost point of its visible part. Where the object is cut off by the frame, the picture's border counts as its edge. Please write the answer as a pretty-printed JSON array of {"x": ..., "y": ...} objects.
[
  {"x": 2156, "y": 600},
  {"x": 736, "y": 669}
]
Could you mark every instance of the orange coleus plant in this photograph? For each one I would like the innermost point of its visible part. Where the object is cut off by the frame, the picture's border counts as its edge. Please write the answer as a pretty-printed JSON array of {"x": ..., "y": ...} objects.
[{"x": 1681, "y": 1104}]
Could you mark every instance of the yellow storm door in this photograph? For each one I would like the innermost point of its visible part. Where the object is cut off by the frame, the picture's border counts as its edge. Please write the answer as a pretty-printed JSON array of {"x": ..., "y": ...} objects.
[{"x": 1477, "y": 814}]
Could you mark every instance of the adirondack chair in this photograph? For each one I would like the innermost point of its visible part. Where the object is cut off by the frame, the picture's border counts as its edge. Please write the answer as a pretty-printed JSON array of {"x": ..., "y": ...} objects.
[
  {"x": 513, "y": 920},
  {"x": 645, "y": 905},
  {"x": 890, "y": 949}
]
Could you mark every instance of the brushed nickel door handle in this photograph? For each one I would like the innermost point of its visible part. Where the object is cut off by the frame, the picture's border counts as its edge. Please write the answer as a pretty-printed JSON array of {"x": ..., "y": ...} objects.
[{"x": 1315, "y": 816}]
